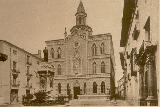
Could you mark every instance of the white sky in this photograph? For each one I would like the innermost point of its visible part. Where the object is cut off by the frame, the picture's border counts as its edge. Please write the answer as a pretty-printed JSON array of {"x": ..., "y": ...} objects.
[{"x": 28, "y": 23}]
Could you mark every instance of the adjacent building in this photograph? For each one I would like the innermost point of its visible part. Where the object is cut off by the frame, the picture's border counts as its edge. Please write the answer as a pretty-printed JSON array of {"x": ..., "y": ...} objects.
[
  {"x": 18, "y": 74},
  {"x": 139, "y": 60},
  {"x": 84, "y": 63},
  {"x": 121, "y": 88}
]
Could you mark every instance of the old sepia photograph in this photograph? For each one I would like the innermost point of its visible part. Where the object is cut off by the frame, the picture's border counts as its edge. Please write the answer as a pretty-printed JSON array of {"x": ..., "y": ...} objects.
[{"x": 66, "y": 53}]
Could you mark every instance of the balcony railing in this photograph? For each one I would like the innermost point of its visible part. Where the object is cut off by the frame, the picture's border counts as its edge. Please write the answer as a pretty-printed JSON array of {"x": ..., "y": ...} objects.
[
  {"x": 29, "y": 74},
  {"x": 29, "y": 86},
  {"x": 15, "y": 85},
  {"x": 29, "y": 63},
  {"x": 14, "y": 71}
]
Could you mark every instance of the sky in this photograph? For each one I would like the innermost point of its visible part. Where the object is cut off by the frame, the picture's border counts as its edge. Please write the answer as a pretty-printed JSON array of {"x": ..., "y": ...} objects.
[{"x": 29, "y": 23}]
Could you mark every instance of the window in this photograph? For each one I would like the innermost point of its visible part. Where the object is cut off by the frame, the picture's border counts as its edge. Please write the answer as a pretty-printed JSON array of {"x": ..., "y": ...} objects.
[
  {"x": 28, "y": 59},
  {"x": 103, "y": 87},
  {"x": 51, "y": 82},
  {"x": 94, "y": 87},
  {"x": 102, "y": 67},
  {"x": 147, "y": 30},
  {"x": 52, "y": 52},
  {"x": 14, "y": 65},
  {"x": 102, "y": 48},
  {"x": 59, "y": 69},
  {"x": 94, "y": 49},
  {"x": 59, "y": 88},
  {"x": 59, "y": 51},
  {"x": 14, "y": 81},
  {"x": 132, "y": 62},
  {"x": 135, "y": 34},
  {"x": 94, "y": 68},
  {"x": 68, "y": 89},
  {"x": 28, "y": 69},
  {"x": 14, "y": 52},
  {"x": 84, "y": 88},
  {"x": 80, "y": 19}
]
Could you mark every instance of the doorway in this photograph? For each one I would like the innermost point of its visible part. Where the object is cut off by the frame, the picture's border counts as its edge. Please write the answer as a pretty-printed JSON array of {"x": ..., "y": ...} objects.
[
  {"x": 14, "y": 96},
  {"x": 76, "y": 92}
]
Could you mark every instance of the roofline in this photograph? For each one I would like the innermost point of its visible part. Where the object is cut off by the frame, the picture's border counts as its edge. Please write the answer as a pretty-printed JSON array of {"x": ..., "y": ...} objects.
[
  {"x": 53, "y": 40},
  {"x": 21, "y": 49}
]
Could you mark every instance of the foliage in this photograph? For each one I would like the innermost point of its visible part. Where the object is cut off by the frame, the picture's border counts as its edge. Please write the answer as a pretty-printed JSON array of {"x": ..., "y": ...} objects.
[
  {"x": 60, "y": 99},
  {"x": 42, "y": 98},
  {"x": 27, "y": 98}
]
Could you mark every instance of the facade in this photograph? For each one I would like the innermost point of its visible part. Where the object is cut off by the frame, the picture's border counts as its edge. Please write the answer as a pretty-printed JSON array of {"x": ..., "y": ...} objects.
[
  {"x": 139, "y": 60},
  {"x": 18, "y": 74},
  {"x": 84, "y": 63}
]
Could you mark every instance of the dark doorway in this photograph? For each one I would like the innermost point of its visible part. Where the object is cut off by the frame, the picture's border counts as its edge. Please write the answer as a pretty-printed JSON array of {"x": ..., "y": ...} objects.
[
  {"x": 27, "y": 92},
  {"x": 76, "y": 92},
  {"x": 14, "y": 96}
]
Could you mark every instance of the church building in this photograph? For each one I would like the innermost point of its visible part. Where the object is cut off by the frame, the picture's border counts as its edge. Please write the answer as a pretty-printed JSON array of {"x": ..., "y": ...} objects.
[{"x": 84, "y": 63}]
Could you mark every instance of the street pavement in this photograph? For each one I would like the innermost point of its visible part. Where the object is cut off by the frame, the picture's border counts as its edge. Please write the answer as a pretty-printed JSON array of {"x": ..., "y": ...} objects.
[
  {"x": 98, "y": 103},
  {"x": 86, "y": 102}
]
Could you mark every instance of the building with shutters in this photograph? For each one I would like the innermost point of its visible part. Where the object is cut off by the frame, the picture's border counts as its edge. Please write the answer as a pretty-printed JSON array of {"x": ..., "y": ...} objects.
[
  {"x": 139, "y": 60},
  {"x": 20, "y": 73},
  {"x": 84, "y": 63}
]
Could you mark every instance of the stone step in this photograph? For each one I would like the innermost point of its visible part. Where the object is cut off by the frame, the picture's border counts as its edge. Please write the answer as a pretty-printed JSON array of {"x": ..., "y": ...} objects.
[{"x": 89, "y": 102}]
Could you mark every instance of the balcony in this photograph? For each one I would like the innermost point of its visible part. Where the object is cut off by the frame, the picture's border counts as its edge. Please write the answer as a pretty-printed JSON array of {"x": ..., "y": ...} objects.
[
  {"x": 146, "y": 47},
  {"x": 15, "y": 85},
  {"x": 15, "y": 73},
  {"x": 29, "y": 74},
  {"x": 29, "y": 86},
  {"x": 29, "y": 63}
]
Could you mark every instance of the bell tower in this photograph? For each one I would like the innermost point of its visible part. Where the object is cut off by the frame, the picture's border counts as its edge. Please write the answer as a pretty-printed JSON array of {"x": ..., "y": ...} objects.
[
  {"x": 81, "y": 15},
  {"x": 81, "y": 28}
]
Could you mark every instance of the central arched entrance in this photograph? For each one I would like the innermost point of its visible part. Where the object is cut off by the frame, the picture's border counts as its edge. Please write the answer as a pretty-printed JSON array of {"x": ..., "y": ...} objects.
[{"x": 76, "y": 89}]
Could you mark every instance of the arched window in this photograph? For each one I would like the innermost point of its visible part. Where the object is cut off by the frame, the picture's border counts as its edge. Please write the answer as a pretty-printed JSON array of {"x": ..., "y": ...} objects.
[
  {"x": 59, "y": 52},
  {"x": 102, "y": 48},
  {"x": 59, "y": 70},
  {"x": 94, "y": 87},
  {"x": 102, "y": 67},
  {"x": 59, "y": 88},
  {"x": 103, "y": 87},
  {"x": 80, "y": 20},
  {"x": 94, "y": 67},
  {"x": 84, "y": 88},
  {"x": 52, "y": 53},
  {"x": 68, "y": 89},
  {"x": 94, "y": 49}
]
